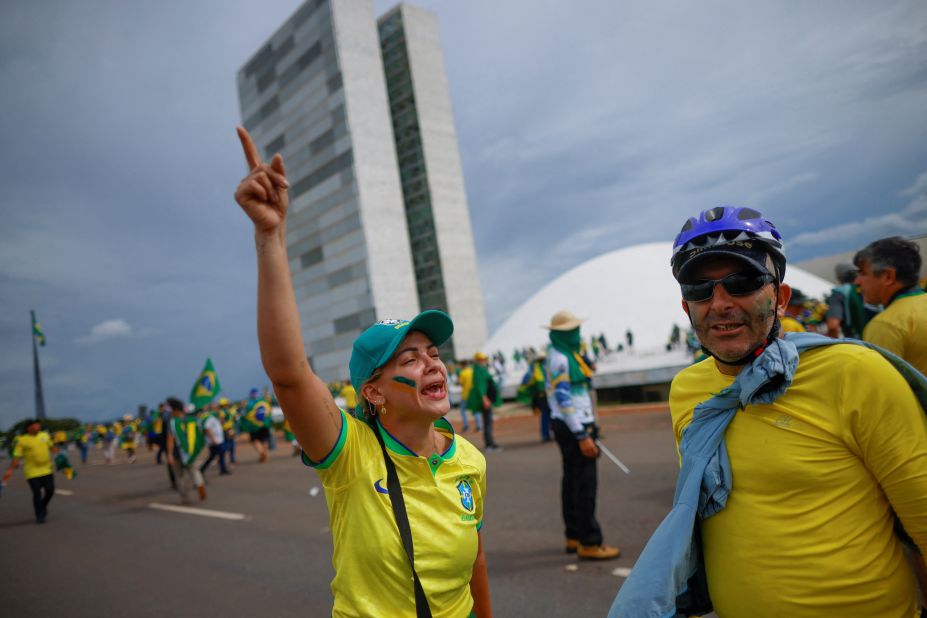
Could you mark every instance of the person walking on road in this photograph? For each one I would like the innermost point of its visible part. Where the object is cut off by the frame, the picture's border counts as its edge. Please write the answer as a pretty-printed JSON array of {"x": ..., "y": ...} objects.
[
  {"x": 215, "y": 440},
  {"x": 35, "y": 449},
  {"x": 482, "y": 397},
  {"x": 185, "y": 440},
  {"x": 795, "y": 452},
  {"x": 256, "y": 421},
  {"x": 573, "y": 423},
  {"x": 397, "y": 466}
]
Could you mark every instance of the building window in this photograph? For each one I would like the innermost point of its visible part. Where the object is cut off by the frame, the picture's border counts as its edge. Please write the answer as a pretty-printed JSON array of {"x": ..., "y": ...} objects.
[
  {"x": 275, "y": 146},
  {"x": 311, "y": 258}
]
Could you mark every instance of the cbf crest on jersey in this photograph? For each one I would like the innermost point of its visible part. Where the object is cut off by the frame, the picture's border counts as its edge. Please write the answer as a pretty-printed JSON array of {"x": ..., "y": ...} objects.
[{"x": 466, "y": 494}]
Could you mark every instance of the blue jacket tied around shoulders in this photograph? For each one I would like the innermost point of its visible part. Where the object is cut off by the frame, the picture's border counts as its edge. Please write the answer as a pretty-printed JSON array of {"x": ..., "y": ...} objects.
[{"x": 662, "y": 575}]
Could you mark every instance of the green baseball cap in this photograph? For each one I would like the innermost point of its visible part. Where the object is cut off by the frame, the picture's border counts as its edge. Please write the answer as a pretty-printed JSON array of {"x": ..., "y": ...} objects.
[{"x": 376, "y": 345}]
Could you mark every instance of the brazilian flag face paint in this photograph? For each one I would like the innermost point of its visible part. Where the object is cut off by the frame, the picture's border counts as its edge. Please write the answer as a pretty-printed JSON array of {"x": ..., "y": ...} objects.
[{"x": 405, "y": 382}]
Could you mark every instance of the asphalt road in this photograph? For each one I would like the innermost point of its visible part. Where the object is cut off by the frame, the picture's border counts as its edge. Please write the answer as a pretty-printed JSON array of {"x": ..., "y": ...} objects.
[{"x": 105, "y": 551}]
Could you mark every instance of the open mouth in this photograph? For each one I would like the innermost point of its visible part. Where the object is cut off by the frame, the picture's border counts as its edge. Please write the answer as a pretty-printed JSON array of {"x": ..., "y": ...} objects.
[
  {"x": 726, "y": 327},
  {"x": 438, "y": 390}
]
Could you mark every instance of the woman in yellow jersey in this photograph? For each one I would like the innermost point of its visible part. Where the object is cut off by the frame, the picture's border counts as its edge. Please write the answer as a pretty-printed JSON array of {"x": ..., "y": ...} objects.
[{"x": 402, "y": 388}]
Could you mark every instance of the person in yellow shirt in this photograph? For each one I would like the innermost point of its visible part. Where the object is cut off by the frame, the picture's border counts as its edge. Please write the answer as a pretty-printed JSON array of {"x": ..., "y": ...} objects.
[
  {"x": 888, "y": 272},
  {"x": 349, "y": 395},
  {"x": 35, "y": 449},
  {"x": 816, "y": 473},
  {"x": 398, "y": 442},
  {"x": 465, "y": 379}
]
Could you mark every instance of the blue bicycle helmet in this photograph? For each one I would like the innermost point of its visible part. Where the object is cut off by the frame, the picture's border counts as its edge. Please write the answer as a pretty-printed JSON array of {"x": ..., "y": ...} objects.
[{"x": 728, "y": 230}]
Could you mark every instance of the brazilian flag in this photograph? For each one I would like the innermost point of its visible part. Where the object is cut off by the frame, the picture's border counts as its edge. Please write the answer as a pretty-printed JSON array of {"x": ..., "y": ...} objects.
[
  {"x": 37, "y": 332},
  {"x": 188, "y": 437},
  {"x": 257, "y": 415},
  {"x": 206, "y": 387}
]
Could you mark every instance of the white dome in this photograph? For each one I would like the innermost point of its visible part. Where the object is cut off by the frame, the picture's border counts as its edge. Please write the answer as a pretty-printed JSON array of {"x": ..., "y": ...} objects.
[{"x": 628, "y": 288}]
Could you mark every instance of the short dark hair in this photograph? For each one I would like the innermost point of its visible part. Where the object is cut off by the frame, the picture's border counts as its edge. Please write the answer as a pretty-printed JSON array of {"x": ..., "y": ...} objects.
[
  {"x": 892, "y": 252},
  {"x": 175, "y": 404}
]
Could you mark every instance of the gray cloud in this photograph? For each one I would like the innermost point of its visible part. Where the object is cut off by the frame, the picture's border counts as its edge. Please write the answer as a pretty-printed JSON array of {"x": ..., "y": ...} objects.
[{"x": 584, "y": 127}]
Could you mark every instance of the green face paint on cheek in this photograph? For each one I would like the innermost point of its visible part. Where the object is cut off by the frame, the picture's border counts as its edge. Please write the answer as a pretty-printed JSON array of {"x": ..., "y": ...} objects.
[
  {"x": 405, "y": 381},
  {"x": 767, "y": 307}
]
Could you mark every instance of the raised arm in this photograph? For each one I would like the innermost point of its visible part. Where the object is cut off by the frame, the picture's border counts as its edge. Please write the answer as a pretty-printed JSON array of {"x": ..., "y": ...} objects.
[{"x": 303, "y": 396}]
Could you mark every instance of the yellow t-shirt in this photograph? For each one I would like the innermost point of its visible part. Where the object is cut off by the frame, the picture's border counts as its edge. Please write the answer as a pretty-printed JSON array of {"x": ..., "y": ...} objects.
[
  {"x": 35, "y": 452},
  {"x": 350, "y": 396},
  {"x": 466, "y": 381},
  {"x": 788, "y": 324},
  {"x": 902, "y": 329},
  {"x": 443, "y": 495},
  {"x": 807, "y": 531}
]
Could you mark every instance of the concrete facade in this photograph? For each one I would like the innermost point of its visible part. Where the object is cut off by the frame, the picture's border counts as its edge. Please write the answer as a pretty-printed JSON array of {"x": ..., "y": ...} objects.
[
  {"x": 431, "y": 174},
  {"x": 316, "y": 93}
]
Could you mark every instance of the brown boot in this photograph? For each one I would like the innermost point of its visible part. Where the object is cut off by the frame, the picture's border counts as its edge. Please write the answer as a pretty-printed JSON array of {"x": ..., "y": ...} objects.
[
  {"x": 597, "y": 552},
  {"x": 201, "y": 490},
  {"x": 571, "y": 546}
]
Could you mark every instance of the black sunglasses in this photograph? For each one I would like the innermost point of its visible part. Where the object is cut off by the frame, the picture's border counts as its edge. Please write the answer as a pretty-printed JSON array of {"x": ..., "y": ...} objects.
[{"x": 736, "y": 284}]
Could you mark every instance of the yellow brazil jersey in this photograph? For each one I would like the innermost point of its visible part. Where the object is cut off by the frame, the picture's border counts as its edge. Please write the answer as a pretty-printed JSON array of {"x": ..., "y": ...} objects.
[
  {"x": 443, "y": 495},
  {"x": 788, "y": 324},
  {"x": 350, "y": 396},
  {"x": 466, "y": 382},
  {"x": 807, "y": 530},
  {"x": 902, "y": 329},
  {"x": 35, "y": 452}
]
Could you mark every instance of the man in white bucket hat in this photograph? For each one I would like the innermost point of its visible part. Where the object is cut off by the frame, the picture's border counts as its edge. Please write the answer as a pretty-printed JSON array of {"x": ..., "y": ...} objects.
[{"x": 573, "y": 423}]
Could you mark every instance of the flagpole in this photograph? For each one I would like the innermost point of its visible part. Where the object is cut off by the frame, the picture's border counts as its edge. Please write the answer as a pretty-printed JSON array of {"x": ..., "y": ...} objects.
[{"x": 39, "y": 399}]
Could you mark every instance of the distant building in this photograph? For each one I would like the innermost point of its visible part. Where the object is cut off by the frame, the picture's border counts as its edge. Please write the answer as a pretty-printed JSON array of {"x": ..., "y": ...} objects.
[
  {"x": 370, "y": 235},
  {"x": 824, "y": 266}
]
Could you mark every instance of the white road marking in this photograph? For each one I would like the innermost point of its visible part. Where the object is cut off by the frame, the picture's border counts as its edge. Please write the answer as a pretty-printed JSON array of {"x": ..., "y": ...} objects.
[
  {"x": 571, "y": 567},
  {"x": 621, "y": 572},
  {"x": 64, "y": 492},
  {"x": 189, "y": 510}
]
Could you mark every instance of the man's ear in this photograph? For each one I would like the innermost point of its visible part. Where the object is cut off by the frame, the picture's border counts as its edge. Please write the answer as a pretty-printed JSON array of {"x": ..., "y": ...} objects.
[
  {"x": 889, "y": 276},
  {"x": 785, "y": 293},
  {"x": 685, "y": 306}
]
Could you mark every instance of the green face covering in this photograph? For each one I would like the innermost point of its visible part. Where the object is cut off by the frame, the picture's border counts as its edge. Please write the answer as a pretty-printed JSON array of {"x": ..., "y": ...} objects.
[{"x": 568, "y": 343}]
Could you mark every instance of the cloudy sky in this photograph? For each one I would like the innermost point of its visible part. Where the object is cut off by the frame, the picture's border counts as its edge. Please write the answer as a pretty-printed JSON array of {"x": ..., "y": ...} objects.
[{"x": 583, "y": 126}]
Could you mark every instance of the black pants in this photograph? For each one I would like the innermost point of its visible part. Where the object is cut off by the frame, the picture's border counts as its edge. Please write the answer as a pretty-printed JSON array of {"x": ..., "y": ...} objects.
[
  {"x": 214, "y": 452},
  {"x": 487, "y": 428},
  {"x": 39, "y": 485},
  {"x": 577, "y": 489},
  {"x": 161, "y": 442}
]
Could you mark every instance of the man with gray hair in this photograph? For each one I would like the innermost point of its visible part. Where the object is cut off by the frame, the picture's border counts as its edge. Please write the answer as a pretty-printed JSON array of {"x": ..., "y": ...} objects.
[{"x": 888, "y": 275}]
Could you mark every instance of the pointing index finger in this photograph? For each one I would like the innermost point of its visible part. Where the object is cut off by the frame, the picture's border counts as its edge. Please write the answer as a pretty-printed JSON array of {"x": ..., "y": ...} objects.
[{"x": 251, "y": 151}]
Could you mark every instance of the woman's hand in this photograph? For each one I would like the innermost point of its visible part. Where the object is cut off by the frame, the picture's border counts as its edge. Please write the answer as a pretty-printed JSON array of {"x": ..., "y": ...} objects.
[{"x": 262, "y": 194}]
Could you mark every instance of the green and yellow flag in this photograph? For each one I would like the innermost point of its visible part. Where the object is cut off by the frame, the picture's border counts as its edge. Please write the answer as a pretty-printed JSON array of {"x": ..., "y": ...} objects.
[
  {"x": 206, "y": 387},
  {"x": 188, "y": 437},
  {"x": 37, "y": 331}
]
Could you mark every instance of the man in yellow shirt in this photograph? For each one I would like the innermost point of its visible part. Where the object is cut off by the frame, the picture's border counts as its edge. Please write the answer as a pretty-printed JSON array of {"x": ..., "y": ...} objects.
[
  {"x": 34, "y": 449},
  {"x": 888, "y": 276},
  {"x": 807, "y": 528}
]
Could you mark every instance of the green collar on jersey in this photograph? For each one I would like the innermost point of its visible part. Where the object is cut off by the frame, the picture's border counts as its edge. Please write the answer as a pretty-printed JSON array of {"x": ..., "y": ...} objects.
[
  {"x": 401, "y": 449},
  {"x": 912, "y": 291}
]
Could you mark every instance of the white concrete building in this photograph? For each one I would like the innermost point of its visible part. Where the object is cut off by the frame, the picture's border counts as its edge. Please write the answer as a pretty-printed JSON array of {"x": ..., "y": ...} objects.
[{"x": 316, "y": 92}]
